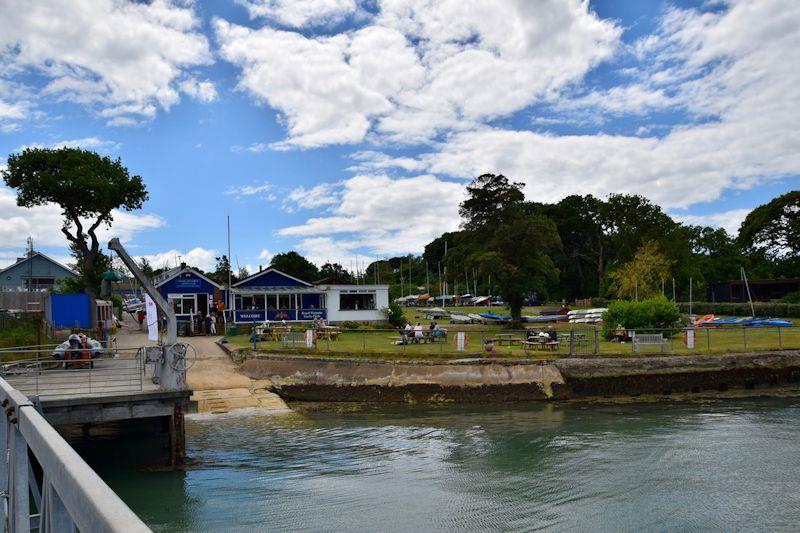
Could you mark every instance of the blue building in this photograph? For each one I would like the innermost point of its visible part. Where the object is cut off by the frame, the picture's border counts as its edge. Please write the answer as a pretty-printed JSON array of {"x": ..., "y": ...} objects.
[
  {"x": 35, "y": 272},
  {"x": 274, "y": 295},
  {"x": 188, "y": 291}
]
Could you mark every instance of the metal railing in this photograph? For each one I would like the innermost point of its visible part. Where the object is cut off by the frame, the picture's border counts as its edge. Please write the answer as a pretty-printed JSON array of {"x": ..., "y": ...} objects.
[
  {"x": 118, "y": 371},
  {"x": 39, "y": 467},
  {"x": 573, "y": 340}
]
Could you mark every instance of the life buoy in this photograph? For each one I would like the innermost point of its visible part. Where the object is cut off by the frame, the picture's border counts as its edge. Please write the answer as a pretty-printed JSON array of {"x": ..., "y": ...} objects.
[{"x": 455, "y": 338}]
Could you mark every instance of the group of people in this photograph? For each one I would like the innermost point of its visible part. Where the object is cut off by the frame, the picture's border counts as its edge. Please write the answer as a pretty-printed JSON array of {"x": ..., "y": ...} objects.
[
  {"x": 542, "y": 336},
  {"x": 206, "y": 323},
  {"x": 417, "y": 333}
]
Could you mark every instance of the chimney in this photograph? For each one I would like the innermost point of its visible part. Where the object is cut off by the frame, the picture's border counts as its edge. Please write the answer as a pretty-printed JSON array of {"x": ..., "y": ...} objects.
[
  {"x": 183, "y": 265},
  {"x": 259, "y": 268}
]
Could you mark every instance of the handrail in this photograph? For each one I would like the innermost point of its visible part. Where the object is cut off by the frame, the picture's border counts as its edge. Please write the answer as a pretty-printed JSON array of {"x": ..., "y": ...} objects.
[{"x": 72, "y": 495}]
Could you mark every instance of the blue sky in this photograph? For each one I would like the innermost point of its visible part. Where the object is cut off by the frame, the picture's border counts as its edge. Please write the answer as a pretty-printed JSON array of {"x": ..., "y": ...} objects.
[{"x": 344, "y": 128}]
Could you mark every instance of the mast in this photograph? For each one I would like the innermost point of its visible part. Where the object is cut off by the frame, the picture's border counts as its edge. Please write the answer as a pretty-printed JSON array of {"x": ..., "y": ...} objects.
[{"x": 749, "y": 297}]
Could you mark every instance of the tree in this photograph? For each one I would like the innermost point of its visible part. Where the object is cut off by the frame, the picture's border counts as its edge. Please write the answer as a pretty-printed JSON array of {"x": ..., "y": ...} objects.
[
  {"x": 502, "y": 240},
  {"x": 295, "y": 265},
  {"x": 221, "y": 270},
  {"x": 774, "y": 228},
  {"x": 92, "y": 276},
  {"x": 486, "y": 196},
  {"x": 146, "y": 268},
  {"x": 335, "y": 271},
  {"x": 242, "y": 273},
  {"x": 88, "y": 188},
  {"x": 642, "y": 277}
]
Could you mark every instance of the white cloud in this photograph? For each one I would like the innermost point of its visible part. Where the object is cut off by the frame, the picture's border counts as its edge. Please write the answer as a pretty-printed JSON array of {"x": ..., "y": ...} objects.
[
  {"x": 203, "y": 91},
  {"x": 124, "y": 58},
  {"x": 383, "y": 215},
  {"x": 321, "y": 250},
  {"x": 419, "y": 68},
  {"x": 730, "y": 221},
  {"x": 249, "y": 190},
  {"x": 202, "y": 258},
  {"x": 321, "y": 195},
  {"x": 298, "y": 13},
  {"x": 43, "y": 224},
  {"x": 266, "y": 255},
  {"x": 737, "y": 67},
  {"x": 369, "y": 160},
  {"x": 86, "y": 143}
]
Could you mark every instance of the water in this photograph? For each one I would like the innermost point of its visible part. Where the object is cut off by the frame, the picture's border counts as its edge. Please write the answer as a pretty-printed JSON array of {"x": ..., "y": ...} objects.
[{"x": 713, "y": 465}]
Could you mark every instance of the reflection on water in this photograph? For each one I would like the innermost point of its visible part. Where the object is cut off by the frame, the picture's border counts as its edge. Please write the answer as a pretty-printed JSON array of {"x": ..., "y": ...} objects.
[{"x": 672, "y": 466}]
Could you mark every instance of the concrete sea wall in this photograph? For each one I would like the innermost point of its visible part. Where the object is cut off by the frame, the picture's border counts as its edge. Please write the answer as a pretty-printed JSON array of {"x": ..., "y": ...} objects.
[{"x": 496, "y": 380}]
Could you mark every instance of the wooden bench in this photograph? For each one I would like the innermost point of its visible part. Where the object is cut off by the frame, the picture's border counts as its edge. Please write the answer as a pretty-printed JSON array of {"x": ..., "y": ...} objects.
[{"x": 649, "y": 339}]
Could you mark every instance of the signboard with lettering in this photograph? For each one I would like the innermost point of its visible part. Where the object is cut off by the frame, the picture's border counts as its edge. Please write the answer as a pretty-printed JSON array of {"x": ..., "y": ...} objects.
[
  {"x": 188, "y": 283},
  {"x": 310, "y": 314},
  {"x": 254, "y": 315}
]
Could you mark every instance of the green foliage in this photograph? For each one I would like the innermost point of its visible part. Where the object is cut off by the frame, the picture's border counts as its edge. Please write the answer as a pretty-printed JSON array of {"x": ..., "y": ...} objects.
[
  {"x": 295, "y": 265},
  {"x": 394, "y": 314},
  {"x": 88, "y": 188},
  {"x": 502, "y": 240},
  {"x": 338, "y": 272},
  {"x": 653, "y": 313},
  {"x": 791, "y": 298},
  {"x": 642, "y": 277},
  {"x": 774, "y": 228},
  {"x": 221, "y": 270},
  {"x": 92, "y": 277},
  {"x": 772, "y": 310},
  {"x": 600, "y": 302},
  {"x": 349, "y": 324}
]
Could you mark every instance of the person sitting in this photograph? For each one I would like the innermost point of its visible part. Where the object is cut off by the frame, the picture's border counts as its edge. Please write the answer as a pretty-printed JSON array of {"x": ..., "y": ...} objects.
[
  {"x": 619, "y": 334},
  {"x": 530, "y": 335},
  {"x": 551, "y": 331},
  {"x": 407, "y": 332},
  {"x": 418, "y": 333}
]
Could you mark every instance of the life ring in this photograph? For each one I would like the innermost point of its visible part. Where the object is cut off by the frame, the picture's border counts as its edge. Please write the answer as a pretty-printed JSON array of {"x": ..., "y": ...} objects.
[{"x": 455, "y": 338}]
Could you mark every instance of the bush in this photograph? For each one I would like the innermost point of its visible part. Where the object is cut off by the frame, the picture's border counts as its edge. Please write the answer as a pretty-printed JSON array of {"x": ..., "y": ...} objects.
[
  {"x": 791, "y": 298},
  {"x": 349, "y": 324},
  {"x": 394, "y": 315},
  {"x": 600, "y": 302},
  {"x": 776, "y": 310},
  {"x": 654, "y": 313}
]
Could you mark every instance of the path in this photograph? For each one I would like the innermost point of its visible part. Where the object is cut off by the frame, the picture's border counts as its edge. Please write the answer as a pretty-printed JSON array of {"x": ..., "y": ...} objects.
[{"x": 217, "y": 385}]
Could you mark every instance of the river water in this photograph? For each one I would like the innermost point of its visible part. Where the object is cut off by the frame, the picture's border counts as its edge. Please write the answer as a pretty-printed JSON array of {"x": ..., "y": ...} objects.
[{"x": 720, "y": 465}]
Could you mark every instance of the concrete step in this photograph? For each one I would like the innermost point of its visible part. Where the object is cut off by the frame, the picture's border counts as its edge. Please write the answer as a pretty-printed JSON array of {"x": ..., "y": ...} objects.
[{"x": 224, "y": 400}]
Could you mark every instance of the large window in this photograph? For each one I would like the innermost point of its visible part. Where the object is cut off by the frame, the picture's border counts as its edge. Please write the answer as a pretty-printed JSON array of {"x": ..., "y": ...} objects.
[
  {"x": 286, "y": 301},
  {"x": 183, "y": 304},
  {"x": 355, "y": 302}
]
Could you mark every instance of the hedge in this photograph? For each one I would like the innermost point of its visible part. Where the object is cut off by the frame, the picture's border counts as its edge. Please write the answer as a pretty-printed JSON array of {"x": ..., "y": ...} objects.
[
  {"x": 774, "y": 310},
  {"x": 654, "y": 313}
]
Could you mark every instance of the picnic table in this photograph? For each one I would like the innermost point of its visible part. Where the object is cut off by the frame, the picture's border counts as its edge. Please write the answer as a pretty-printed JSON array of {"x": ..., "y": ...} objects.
[
  {"x": 428, "y": 335},
  {"x": 271, "y": 333},
  {"x": 540, "y": 344},
  {"x": 328, "y": 332},
  {"x": 508, "y": 338}
]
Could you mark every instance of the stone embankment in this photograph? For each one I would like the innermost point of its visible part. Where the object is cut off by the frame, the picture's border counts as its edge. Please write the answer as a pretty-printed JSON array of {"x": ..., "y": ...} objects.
[{"x": 497, "y": 380}]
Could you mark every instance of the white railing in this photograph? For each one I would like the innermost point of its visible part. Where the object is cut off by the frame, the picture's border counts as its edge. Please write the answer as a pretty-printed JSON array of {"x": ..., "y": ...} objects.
[{"x": 68, "y": 495}]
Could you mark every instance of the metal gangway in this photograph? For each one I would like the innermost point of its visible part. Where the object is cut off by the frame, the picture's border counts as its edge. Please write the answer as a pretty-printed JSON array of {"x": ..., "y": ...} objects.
[{"x": 38, "y": 466}]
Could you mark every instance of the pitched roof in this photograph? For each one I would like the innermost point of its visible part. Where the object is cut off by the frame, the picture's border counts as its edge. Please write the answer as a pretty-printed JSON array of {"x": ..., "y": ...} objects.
[
  {"x": 28, "y": 258},
  {"x": 267, "y": 271},
  {"x": 173, "y": 273}
]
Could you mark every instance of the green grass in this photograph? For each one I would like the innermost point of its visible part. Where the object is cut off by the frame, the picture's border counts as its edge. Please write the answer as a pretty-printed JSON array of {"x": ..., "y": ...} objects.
[{"x": 379, "y": 343}]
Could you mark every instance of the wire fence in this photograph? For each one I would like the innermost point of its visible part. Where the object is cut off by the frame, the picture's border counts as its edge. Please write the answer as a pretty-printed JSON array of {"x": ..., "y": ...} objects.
[{"x": 537, "y": 342}]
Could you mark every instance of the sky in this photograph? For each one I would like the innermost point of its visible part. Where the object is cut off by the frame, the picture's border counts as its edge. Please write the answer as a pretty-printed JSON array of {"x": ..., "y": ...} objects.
[{"x": 348, "y": 130}]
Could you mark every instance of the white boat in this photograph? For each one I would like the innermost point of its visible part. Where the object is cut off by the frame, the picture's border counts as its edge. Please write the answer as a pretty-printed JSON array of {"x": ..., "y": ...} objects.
[{"x": 434, "y": 312}]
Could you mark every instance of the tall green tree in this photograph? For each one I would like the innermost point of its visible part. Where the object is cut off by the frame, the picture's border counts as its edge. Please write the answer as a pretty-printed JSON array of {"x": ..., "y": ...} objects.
[
  {"x": 502, "y": 239},
  {"x": 642, "y": 277},
  {"x": 295, "y": 265},
  {"x": 221, "y": 270},
  {"x": 772, "y": 231},
  {"x": 335, "y": 271},
  {"x": 87, "y": 186}
]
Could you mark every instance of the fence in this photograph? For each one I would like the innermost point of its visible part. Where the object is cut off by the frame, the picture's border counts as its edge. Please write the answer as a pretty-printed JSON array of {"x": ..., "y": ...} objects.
[
  {"x": 573, "y": 341},
  {"x": 37, "y": 464},
  {"x": 46, "y": 377}
]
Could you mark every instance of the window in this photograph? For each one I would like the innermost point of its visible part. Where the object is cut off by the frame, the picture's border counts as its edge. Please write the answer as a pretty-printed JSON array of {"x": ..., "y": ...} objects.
[
  {"x": 285, "y": 301},
  {"x": 183, "y": 304},
  {"x": 258, "y": 301},
  {"x": 355, "y": 302}
]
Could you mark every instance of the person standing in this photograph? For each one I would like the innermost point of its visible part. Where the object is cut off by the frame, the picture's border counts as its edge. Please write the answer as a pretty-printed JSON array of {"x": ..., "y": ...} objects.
[
  {"x": 208, "y": 324},
  {"x": 213, "y": 323}
]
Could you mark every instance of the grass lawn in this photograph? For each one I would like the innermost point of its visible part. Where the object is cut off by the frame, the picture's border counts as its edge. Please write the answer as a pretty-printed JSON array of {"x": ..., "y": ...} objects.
[{"x": 380, "y": 344}]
